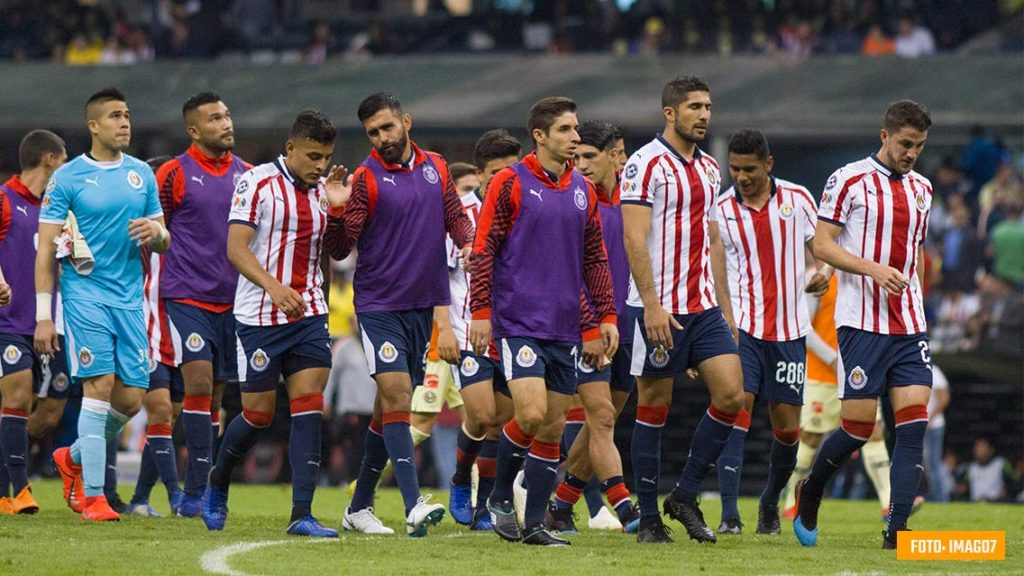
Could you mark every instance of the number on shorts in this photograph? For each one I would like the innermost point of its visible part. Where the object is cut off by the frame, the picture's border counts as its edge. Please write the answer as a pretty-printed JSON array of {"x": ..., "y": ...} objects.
[
  {"x": 789, "y": 372},
  {"x": 925, "y": 356}
]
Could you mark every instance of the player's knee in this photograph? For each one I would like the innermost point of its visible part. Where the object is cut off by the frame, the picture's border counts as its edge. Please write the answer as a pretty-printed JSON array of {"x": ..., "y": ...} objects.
[
  {"x": 530, "y": 419},
  {"x": 159, "y": 413},
  {"x": 20, "y": 400},
  {"x": 601, "y": 418},
  {"x": 478, "y": 422},
  {"x": 732, "y": 403}
]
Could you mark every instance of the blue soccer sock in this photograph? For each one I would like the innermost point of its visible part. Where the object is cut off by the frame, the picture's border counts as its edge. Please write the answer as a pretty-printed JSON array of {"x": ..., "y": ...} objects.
[
  {"x": 592, "y": 496},
  {"x": 304, "y": 451},
  {"x": 466, "y": 454},
  {"x": 14, "y": 448},
  {"x": 486, "y": 465},
  {"x": 783, "y": 461},
  {"x": 906, "y": 469},
  {"x": 574, "y": 420},
  {"x": 730, "y": 465},
  {"x": 195, "y": 421},
  {"x": 513, "y": 446},
  {"x": 646, "y": 455},
  {"x": 540, "y": 470},
  {"x": 147, "y": 475},
  {"x": 214, "y": 434},
  {"x": 834, "y": 451},
  {"x": 241, "y": 435},
  {"x": 403, "y": 457},
  {"x": 375, "y": 458},
  {"x": 161, "y": 447},
  {"x": 115, "y": 423},
  {"x": 91, "y": 446},
  {"x": 706, "y": 446}
]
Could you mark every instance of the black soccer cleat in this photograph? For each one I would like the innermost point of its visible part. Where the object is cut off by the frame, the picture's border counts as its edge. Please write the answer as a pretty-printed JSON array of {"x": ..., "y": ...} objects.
[
  {"x": 689, "y": 515},
  {"x": 889, "y": 537},
  {"x": 730, "y": 526},
  {"x": 539, "y": 535},
  {"x": 562, "y": 521},
  {"x": 653, "y": 531},
  {"x": 503, "y": 516},
  {"x": 768, "y": 520}
]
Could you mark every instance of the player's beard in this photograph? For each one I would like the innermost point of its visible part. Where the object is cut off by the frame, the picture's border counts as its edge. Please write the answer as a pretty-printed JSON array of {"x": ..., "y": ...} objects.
[
  {"x": 688, "y": 136},
  {"x": 393, "y": 154},
  {"x": 219, "y": 145}
]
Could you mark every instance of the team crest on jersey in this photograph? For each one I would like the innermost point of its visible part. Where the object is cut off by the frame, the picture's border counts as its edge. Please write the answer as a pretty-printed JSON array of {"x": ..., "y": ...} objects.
[
  {"x": 632, "y": 170},
  {"x": 430, "y": 397},
  {"x": 324, "y": 203},
  {"x": 659, "y": 357},
  {"x": 712, "y": 175},
  {"x": 387, "y": 353},
  {"x": 583, "y": 367},
  {"x": 259, "y": 360},
  {"x": 469, "y": 366},
  {"x": 786, "y": 210},
  {"x": 921, "y": 204},
  {"x": 430, "y": 175},
  {"x": 241, "y": 187},
  {"x": 194, "y": 342},
  {"x": 60, "y": 382},
  {"x": 134, "y": 180},
  {"x": 85, "y": 357},
  {"x": 526, "y": 357},
  {"x": 858, "y": 379},
  {"x": 46, "y": 199},
  {"x": 12, "y": 354},
  {"x": 580, "y": 197}
]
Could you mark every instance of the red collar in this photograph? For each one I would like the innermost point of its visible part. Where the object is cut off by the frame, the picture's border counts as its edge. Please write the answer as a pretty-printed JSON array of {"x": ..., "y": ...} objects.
[
  {"x": 606, "y": 199},
  {"x": 18, "y": 186},
  {"x": 214, "y": 166},
  {"x": 418, "y": 155},
  {"x": 533, "y": 165}
]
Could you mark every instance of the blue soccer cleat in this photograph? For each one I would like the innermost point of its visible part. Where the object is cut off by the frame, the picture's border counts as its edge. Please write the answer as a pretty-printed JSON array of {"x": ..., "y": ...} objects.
[
  {"x": 175, "y": 500},
  {"x": 806, "y": 513},
  {"x": 190, "y": 506},
  {"x": 214, "y": 508},
  {"x": 459, "y": 503},
  {"x": 803, "y": 535},
  {"x": 309, "y": 526},
  {"x": 481, "y": 520}
]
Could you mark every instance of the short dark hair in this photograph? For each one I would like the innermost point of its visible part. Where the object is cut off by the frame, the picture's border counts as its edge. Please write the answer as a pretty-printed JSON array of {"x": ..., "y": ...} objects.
[
  {"x": 35, "y": 145},
  {"x": 676, "y": 90},
  {"x": 198, "y": 100},
  {"x": 617, "y": 133},
  {"x": 600, "y": 135},
  {"x": 315, "y": 125},
  {"x": 906, "y": 113},
  {"x": 460, "y": 169},
  {"x": 497, "y": 143},
  {"x": 375, "y": 103},
  {"x": 157, "y": 161},
  {"x": 543, "y": 113},
  {"x": 750, "y": 141},
  {"x": 102, "y": 97}
]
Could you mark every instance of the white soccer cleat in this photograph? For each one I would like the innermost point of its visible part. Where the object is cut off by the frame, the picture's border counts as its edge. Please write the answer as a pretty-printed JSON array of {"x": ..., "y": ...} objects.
[
  {"x": 422, "y": 516},
  {"x": 519, "y": 497},
  {"x": 604, "y": 521},
  {"x": 364, "y": 521}
]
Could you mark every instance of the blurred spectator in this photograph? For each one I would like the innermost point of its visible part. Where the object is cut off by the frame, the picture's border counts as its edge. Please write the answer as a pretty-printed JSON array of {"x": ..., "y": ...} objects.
[
  {"x": 319, "y": 44},
  {"x": 1000, "y": 192},
  {"x": 82, "y": 51},
  {"x": 797, "y": 38},
  {"x": 938, "y": 490},
  {"x": 877, "y": 42},
  {"x": 1007, "y": 246},
  {"x": 950, "y": 330},
  {"x": 981, "y": 158},
  {"x": 990, "y": 477},
  {"x": 998, "y": 326},
  {"x": 962, "y": 250},
  {"x": 913, "y": 40},
  {"x": 840, "y": 33}
]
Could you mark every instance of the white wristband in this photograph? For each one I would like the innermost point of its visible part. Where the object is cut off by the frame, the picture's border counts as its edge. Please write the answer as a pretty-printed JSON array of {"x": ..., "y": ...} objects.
[
  {"x": 44, "y": 300},
  {"x": 159, "y": 239}
]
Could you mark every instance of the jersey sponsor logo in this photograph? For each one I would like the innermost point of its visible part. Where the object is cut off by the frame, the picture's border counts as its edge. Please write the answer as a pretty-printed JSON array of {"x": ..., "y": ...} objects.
[
  {"x": 389, "y": 180},
  {"x": 526, "y": 357},
  {"x": 580, "y": 198},
  {"x": 134, "y": 180},
  {"x": 430, "y": 175},
  {"x": 241, "y": 187},
  {"x": 51, "y": 184},
  {"x": 259, "y": 360},
  {"x": 583, "y": 367},
  {"x": 858, "y": 379},
  {"x": 786, "y": 210},
  {"x": 239, "y": 201},
  {"x": 94, "y": 181},
  {"x": 387, "y": 352},
  {"x": 194, "y": 342},
  {"x": 431, "y": 381},
  {"x": 60, "y": 382},
  {"x": 659, "y": 357},
  {"x": 12, "y": 354},
  {"x": 470, "y": 366},
  {"x": 85, "y": 357},
  {"x": 632, "y": 170},
  {"x": 199, "y": 179},
  {"x": 628, "y": 186},
  {"x": 22, "y": 209},
  {"x": 537, "y": 194}
]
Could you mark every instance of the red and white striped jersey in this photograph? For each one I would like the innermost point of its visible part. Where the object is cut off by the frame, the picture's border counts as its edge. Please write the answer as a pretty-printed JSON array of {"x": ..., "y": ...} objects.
[
  {"x": 289, "y": 221},
  {"x": 765, "y": 259},
  {"x": 681, "y": 195},
  {"x": 458, "y": 278},
  {"x": 158, "y": 327},
  {"x": 885, "y": 219}
]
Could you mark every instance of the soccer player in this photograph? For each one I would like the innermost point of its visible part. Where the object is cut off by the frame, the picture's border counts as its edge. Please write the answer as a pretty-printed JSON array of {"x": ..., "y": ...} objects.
[
  {"x": 603, "y": 392},
  {"x": 402, "y": 196},
  {"x": 197, "y": 282},
  {"x": 479, "y": 378},
  {"x": 620, "y": 155},
  {"x": 40, "y": 154},
  {"x": 114, "y": 199},
  {"x": 759, "y": 243},
  {"x": 872, "y": 223},
  {"x": 537, "y": 246},
  {"x": 668, "y": 191},
  {"x": 278, "y": 227}
]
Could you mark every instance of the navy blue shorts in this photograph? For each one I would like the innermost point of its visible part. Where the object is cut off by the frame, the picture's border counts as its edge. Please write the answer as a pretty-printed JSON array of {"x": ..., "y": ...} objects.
[
  {"x": 870, "y": 363},
  {"x": 704, "y": 335},
  {"x": 474, "y": 369},
  {"x": 774, "y": 371},
  {"x": 397, "y": 341},
  {"x": 50, "y": 377},
  {"x": 265, "y": 353},
  {"x": 199, "y": 334},
  {"x": 552, "y": 360},
  {"x": 616, "y": 373},
  {"x": 163, "y": 376}
]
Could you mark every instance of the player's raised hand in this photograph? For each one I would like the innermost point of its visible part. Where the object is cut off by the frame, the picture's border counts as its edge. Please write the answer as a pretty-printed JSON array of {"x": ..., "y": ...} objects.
[
  {"x": 480, "y": 335},
  {"x": 659, "y": 325},
  {"x": 5, "y": 294},
  {"x": 890, "y": 279},
  {"x": 448, "y": 345},
  {"x": 338, "y": 185},
  {"x": 288, "y": 300},
  {"x": 45, "y": 339}
]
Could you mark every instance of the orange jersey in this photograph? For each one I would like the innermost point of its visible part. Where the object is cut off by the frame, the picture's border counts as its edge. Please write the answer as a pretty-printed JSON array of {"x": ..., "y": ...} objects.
[{"x": 824, "y": 323}]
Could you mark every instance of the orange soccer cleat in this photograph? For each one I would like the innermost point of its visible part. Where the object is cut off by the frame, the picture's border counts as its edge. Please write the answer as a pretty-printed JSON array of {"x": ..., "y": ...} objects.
[
  {"x": 24, "y": 503},
  {"x": 97, "y": 509},
  {"x": 71, "y": 474}
]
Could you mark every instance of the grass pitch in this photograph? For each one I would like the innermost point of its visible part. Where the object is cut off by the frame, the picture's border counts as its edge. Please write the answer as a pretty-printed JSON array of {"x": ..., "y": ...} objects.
[{"x": 56, "y": 542}]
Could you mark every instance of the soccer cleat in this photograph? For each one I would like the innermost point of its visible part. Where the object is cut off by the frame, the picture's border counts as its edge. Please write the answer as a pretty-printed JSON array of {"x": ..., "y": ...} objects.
[
  {"x": 309, "y": 526},
  {"x": 654, "y": 531},
  {"x": 481, "y": 520},
  {"x": 562, "y": 521},
  {"x": 71, "y": 475},
  {"x": 689, "y": 515},
  {"x": 630, "y": 519},
  {"x": 730, "y": 526},
  {"x": 539, "y": 535},
  {"x": 364, "y": 521},
  {"x": 459, "y": 503},
  {"x": 604, "y": 520},
  {"x": 805, "y": 525},
  {"x": 24, "y": 502},
  {"x": 176, "y": 499},
  {"x": 214, "y": 507},
  {"x": 6, "y": 508},
  {"x": 768, "y": 520},
  {"x": 503, "y": 517},
  {"x": 98, "y": 510},
  {"x": 889, "y": 537},
  {"x": 189, "y": 506},
  {"x": 519, "y": 497},
  {"x": 142, "y": 508},
  {"x": 422, "y": 516},
  {"x": 116, "y": 504}
]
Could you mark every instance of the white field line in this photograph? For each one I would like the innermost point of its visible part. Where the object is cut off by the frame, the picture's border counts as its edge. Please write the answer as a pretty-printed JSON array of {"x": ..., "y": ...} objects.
[{"x": 216, "y": 561}]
